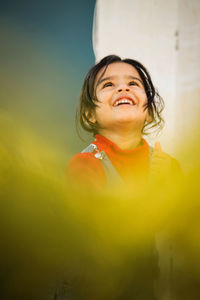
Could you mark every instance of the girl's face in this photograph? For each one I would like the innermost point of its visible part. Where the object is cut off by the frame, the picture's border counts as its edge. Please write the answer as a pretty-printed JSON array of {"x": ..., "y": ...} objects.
[{"x": 121, "y": 97}]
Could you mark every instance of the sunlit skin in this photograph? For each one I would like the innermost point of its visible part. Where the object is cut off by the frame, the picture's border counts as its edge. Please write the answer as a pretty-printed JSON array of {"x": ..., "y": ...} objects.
[{"x": 123, "y": 124}]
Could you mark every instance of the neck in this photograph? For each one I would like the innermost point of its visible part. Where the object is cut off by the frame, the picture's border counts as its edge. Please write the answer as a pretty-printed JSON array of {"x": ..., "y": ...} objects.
[{"x": 127, "y": 141}]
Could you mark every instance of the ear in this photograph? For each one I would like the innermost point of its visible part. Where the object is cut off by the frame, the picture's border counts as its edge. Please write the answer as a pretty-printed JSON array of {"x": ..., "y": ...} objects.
[
  {"x": 148, "y": 118},
  {"x": 91, "y": 116}
]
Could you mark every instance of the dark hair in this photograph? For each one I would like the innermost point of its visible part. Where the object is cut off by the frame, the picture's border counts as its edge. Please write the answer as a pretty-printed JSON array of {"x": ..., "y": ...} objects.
[{"x": 88, "y": 100}]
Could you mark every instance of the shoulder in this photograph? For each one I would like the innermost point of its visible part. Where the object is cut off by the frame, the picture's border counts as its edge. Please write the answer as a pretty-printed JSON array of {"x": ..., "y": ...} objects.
[
  {"x": 164, "y": 164},
  {"x": 86, "y": 161},
  {"x": 86, "y": 168},
  {"x": 176, "y": 167}
]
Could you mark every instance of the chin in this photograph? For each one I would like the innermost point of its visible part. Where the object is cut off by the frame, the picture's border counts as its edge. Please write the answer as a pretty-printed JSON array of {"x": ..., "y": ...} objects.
[{"x": 131, "y": 119}]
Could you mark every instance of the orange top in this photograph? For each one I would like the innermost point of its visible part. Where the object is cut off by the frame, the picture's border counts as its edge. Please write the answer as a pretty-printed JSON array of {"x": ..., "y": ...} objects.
[{"x": 130, "y": 164}]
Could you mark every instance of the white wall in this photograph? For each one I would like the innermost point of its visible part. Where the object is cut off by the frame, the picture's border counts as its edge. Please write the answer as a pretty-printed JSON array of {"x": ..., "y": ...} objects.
[
  {"x": 165, "y": 37},
  {"x": 188, "y": 67}
]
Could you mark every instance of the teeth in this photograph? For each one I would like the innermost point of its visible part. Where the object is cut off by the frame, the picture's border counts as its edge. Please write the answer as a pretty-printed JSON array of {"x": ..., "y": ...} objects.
[{"x": 123, "y": 101}]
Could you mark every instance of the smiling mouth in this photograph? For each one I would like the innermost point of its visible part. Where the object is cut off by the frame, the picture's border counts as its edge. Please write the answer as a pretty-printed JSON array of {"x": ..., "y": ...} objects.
[{"x": 124, "y": 101}]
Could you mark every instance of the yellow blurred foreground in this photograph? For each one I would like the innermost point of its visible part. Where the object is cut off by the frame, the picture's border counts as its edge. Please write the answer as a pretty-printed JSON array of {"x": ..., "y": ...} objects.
[{"x": 59, "y": 241}]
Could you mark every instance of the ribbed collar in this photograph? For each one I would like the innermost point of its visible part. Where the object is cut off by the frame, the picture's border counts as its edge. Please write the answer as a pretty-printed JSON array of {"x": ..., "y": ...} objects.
[{"x": 109, "y": 147}]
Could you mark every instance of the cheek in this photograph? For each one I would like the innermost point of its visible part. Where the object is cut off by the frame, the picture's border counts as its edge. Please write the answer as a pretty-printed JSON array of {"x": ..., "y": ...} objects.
[
  {"x": 102, "y": 113},
  {"x": 104, "y": 96},
  {"x": 142, "y": 97},
  {"x": 100, "y": 110}
]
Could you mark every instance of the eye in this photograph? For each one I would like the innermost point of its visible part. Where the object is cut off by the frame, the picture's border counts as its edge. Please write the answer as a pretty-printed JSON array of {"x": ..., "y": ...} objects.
[
  {"x": 107, "y": 84},
  {"x": 133, "y": 83}
]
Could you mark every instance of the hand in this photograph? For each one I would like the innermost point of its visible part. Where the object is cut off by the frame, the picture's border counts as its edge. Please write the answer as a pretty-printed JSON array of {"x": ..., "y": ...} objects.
[{"x": 161, "y": 164}]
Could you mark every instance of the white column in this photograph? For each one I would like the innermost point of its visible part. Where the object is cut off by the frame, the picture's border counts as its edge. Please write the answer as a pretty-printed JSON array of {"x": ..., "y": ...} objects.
[{"x": 164, "y": 36}]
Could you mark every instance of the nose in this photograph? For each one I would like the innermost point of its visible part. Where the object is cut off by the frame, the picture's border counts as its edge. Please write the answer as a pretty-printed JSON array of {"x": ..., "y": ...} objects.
[{"x": 123, "y": 88}]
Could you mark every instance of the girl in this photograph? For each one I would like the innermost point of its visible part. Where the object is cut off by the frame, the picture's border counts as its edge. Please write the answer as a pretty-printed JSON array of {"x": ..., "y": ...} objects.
[{"x": 118, "y": 104}]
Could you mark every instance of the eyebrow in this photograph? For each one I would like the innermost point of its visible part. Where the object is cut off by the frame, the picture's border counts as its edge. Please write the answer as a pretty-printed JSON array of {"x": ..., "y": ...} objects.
[
  {"x": 113, "y": 77},
  {"x": 104, "y": 79}
]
